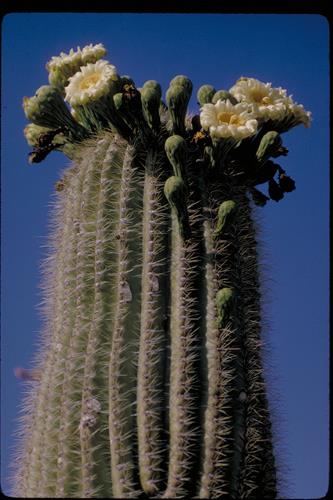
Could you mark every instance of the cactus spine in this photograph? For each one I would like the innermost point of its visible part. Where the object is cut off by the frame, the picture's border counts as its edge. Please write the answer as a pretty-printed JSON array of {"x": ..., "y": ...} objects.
[{"x": 150, "y": 375}]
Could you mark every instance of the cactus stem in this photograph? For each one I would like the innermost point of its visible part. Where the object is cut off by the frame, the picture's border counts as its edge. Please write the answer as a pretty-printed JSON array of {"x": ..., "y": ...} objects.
[
  {"x": 68, "y": 472},
  {"x": 151, "y": 435},
  {"x": 121, "y": 378},
  {"x": 93, "y": 428},
  {"x": 219, "y": 347},
  {"x": 184, "y": 386}
]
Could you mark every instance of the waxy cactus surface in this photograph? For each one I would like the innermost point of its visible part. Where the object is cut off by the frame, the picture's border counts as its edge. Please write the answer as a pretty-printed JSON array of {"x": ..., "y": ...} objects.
[{"x": 149, "y": 381}]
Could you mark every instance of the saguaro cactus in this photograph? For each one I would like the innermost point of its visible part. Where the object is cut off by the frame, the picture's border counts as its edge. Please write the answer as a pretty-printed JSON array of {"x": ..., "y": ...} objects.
[{"x": 149, "y": 381}]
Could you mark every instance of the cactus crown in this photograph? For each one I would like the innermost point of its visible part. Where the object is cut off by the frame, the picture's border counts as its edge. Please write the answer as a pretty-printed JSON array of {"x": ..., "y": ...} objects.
[
  {"x": 150, "y": 380},
  {"x": 99, "y": 99}
]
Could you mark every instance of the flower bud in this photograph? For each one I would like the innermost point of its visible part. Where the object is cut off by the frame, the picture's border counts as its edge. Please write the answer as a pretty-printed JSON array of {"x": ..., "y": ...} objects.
[
  {"x": 223, "y": 95},
  {"x": 118, "y": 100},
  {"x": 176, "y": 193},
  {"x": 177, "y": 99},
  {"x": 151, "y": 94},
  {"x": 224, "y": 215},
  {"x": 176, "y": 151},
  {"x": 48, "y": 109},
  {"x": 224, "y": 302},
  {"x": 205, "y": 94},
  {"x": 183, "y": 81},
  {"x": 269, "y": 144}
]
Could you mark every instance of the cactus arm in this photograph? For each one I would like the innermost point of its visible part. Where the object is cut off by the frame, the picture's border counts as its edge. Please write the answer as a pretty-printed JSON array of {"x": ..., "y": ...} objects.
[
  {"x": 150, "y": 397},
  {"x": 128, "y": 290}
]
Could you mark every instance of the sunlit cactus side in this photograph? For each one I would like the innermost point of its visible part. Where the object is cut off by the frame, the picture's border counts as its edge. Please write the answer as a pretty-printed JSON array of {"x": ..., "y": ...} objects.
[{"x": 149, "y": 381}]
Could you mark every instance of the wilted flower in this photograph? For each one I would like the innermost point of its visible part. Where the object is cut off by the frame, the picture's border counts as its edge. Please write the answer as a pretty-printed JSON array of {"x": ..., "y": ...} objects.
[
  {"x": 32, "y": 133},
  {"x": 274, "y": 190},
  {"x": 90, "y": 83},
  {"x": 287, "y": 184},
  {"x": 227, "y": 120}
]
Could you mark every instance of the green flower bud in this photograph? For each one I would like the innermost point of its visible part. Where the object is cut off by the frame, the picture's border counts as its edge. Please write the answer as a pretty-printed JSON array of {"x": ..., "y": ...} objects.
[
  {"x": 118, "y": 100},
  {"x": 177, "y": 99},
  {"x": 176, "y": 151},
  {"x": 224, "y": 302},
  {"x": 48, "y": 109},
  {"x": 176, "y": 193},
  {"x": 183, "y": 81},
  {"x": 224, "y": 215},
  {"x": 154, "y": 84},
  {"x": 125, "y": 119},
  {"x": 269, "y": 144},
  {"x": 223, "y": 95},
  {"x": 205, "y": 94},
  {"x": 151, "y": 98}
]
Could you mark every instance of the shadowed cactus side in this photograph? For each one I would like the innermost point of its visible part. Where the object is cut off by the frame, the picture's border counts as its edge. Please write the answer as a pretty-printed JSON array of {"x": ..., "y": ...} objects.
[{"x": 150, "y": 381}]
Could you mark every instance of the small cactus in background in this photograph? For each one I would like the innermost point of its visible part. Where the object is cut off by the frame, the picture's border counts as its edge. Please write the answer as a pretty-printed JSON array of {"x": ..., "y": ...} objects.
[{"x": 150, "y": 378}]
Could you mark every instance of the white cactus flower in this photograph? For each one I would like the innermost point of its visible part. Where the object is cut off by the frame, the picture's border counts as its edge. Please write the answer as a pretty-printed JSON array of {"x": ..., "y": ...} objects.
[
  {"x": 270, "y": 103},
  {"x": 90, "y": 83},
  {"x": 299, "y": 114},
  {"x": 227, "y": 120}
]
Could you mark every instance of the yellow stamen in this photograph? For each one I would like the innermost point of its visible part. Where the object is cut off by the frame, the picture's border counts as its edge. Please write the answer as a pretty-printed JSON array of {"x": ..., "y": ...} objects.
[
  {"x": 230, "y": 118},
  {"x": 90, "y": 81},
  {"x": 236, "y": 120},
  {"x": 258, "y": 95},
  {"x": 266, "y": 100},
  {"x": 224, "y": 117}
]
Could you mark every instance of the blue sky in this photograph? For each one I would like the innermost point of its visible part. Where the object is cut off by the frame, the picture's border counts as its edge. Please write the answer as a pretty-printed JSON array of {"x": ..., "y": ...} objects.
[{"x": 289, "y": 50}]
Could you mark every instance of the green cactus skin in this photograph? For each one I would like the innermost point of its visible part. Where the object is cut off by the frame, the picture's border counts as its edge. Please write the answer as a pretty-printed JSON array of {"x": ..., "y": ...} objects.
[
  {"x": 151, "y": 376},
  {"x": 233, "y": 341},
  {"x": 153, "y": 330}
]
